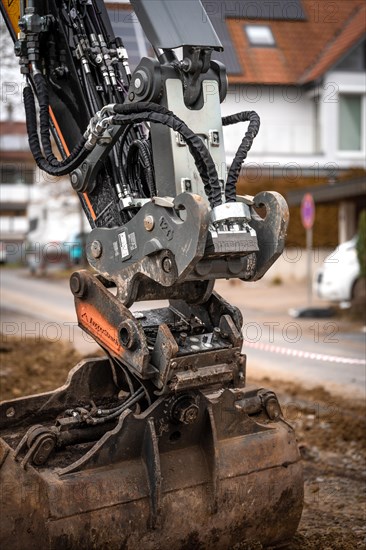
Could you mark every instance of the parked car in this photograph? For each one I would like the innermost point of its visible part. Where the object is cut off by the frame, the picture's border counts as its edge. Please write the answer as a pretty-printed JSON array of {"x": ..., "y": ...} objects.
[
  {"x": 55, "y": 254},
  {"x": 76, "y": 248},
  {"x": 336, "y": 280},
  {"x": 41, "y": 256},
  {"x": 54, "y": 242}
]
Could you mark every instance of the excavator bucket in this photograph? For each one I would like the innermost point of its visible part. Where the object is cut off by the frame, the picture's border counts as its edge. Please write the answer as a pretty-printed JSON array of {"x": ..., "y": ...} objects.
[{"x": 192, "y": 470}]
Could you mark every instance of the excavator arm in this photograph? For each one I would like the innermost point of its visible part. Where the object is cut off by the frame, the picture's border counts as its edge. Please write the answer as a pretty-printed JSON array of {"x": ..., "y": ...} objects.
[{"x": 164, "y": 427}]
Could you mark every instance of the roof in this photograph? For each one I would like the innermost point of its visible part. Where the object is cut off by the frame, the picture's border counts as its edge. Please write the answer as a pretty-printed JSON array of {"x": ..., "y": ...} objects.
[
  {"x": 256, "y": 9},
  {"x": 352, "y": 32},
  {"x": 310, "y": 35},
  {"x": 220, "y": 11},
  {"x": 329, "y": 192},
  {"x": 305, "y": 48}
]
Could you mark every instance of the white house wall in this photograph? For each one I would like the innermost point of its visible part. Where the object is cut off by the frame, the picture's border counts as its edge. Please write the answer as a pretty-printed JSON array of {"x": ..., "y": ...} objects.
[
  {"x": 287, "y": 120},
  {"x": 299, "y": 127}
]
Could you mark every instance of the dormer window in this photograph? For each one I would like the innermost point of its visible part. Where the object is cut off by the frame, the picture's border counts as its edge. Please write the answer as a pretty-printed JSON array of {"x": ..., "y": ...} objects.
[{"x": 260, "y": 35}]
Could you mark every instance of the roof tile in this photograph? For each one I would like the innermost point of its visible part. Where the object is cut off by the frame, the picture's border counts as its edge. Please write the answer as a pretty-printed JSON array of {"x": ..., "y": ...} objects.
[
  {"x": 353, "y": 31},
  {"x": 301, "y": 46}
]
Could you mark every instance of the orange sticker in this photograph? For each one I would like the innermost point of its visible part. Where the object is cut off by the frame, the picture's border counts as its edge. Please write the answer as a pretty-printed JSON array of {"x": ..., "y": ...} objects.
[{"x": 98, "y": 326}]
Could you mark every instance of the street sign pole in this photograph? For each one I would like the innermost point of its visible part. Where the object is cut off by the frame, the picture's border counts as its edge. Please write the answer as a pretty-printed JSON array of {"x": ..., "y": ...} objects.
[
  {"x": 307, "y": 218},
  {"x": 309, "y": 247}
]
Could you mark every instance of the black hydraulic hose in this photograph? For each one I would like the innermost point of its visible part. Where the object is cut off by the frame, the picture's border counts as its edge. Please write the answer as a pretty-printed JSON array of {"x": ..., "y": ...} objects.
[
  {"x": 92, "y": 88},
  {"x": 130, "y": 113},
  {"x": 43, "y": 100},
  {"x": 151, "y": 112},
  {"x": 241, "y": 154},
  {"x": 145, "y": 154},
  {"x": 44, "y": 118},
  {"x": 107, "y": 412},
  {"x": 199, "y": 152},
  {"x": 77, "y": 156},
  {"x": 139, "y": 153},
  {"x": 131, "y": 401}
]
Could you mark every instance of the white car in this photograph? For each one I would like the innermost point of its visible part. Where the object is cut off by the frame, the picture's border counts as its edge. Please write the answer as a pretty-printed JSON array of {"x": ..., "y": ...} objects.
[{"x": 336, "y": 279}]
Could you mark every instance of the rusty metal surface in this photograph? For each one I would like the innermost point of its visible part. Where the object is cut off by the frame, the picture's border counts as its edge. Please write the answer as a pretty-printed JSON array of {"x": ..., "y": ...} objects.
[
  {"x": 151, "y": 345},
  {"x": 109, "y": 322},
  {"x": 153, "y": 481},
  {"x": 271, "y": 231},
  {"x": 162, "y": 446}
]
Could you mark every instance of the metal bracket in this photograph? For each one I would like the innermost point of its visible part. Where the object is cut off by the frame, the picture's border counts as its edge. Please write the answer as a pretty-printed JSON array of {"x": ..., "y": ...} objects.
[
  {"x": 271, "y": 230},
  {"x": 110, "y": 323},
  {"x": 83, "y": 179},
  {"x": 164, "y": 250}
]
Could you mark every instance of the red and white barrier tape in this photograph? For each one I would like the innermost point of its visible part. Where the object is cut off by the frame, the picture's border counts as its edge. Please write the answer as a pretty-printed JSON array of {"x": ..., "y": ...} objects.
[{"x": 303, "y": 354}]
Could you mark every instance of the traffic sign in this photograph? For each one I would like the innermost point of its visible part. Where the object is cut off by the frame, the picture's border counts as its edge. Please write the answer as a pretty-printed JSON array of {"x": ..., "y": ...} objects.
[{"x": 307, "y": 211}]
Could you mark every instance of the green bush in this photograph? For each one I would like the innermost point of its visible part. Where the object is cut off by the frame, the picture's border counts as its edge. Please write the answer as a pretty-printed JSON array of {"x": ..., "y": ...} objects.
[{"x": 361, "y": 243}]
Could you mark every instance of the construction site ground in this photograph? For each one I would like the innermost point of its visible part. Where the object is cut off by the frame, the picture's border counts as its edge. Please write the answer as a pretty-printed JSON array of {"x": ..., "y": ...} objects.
[
  {"x": 330, "y": 431},
  {"x": 329, "y": 416}
]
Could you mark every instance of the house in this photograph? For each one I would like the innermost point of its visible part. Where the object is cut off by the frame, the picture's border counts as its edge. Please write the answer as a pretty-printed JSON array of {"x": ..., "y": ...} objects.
[
  {"x": 304, "y": 69},
  {"x": 24, "y": 189},
  {"x": 301, "y": 65},
  {"x": 30, "y": 199},
  {"x": 17, "y": 175}
]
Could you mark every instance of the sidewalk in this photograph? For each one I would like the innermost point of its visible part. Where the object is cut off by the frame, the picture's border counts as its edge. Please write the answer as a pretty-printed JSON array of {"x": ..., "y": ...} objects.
[{"x": 274, "y": 302}]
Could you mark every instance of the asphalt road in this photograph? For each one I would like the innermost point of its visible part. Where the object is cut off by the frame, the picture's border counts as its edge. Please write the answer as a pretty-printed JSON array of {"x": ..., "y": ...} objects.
[{"x": 327, "y": 352}]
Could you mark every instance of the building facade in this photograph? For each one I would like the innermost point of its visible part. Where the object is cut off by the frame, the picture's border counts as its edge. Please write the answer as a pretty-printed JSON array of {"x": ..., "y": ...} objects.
[{"x": 299, "y": 63}]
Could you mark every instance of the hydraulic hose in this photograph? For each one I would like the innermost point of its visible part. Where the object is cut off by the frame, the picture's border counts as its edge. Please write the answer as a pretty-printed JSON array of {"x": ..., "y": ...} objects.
[
  {"x": 126, "y": 114},
  {"x": 44, "y": 119},
  {"x": 244, "y": 148},
  {"x": 78, "y": 154},
  {"x": 139, "y": 154},
  {"x": 151, "y": 112},
  {"x": 137, "y": 396}
]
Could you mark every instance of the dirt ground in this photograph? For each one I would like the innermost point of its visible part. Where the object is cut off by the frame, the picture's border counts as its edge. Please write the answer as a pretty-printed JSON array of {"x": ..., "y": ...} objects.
[{"x": 330, "y": 432}]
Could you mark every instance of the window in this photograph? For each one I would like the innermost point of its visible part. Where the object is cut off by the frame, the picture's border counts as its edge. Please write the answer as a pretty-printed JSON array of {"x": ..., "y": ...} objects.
[
  {"x": 349, "y": 122},
  {"x": 16, "y": 173},
  {"x": 259, "y": 35}
]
